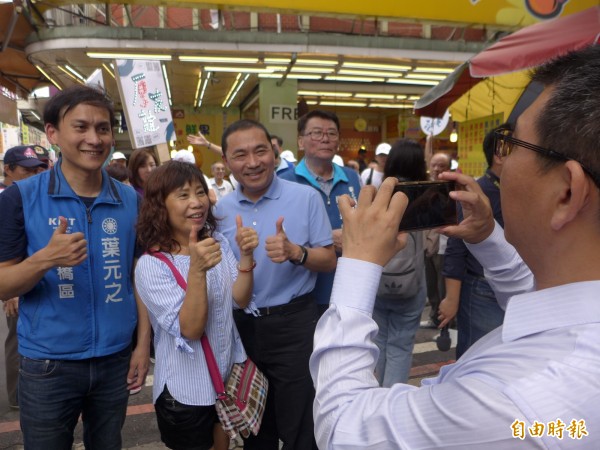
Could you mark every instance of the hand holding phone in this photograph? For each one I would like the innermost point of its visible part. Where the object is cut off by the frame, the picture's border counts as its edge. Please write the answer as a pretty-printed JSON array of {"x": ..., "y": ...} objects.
[{"x": 429, "y": 204}]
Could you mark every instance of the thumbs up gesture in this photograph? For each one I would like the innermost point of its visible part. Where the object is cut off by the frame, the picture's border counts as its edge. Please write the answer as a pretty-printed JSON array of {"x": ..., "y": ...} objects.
[
  {"x": 65, "y": 249},
  {"x": 246, "y": 237},
  {"x": 279, "y": 248},
  {"x": 204, "y": 255}
]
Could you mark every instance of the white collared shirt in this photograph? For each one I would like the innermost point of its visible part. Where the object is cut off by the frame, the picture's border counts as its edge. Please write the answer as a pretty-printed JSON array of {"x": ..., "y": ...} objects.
[
  {"x": 542, "y": 365},
  {"x": 222, "y": 190}
]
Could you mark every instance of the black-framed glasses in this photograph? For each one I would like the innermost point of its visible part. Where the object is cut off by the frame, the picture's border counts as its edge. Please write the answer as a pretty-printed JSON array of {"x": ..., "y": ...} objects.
[
  {"x": 505, "y": 144},
  {"x": 317, "y": 135}
]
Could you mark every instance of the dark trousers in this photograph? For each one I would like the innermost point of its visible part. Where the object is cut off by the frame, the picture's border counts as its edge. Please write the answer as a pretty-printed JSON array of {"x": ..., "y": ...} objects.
[
  {"x": 11, "y": 359},
  {"x": 281, "y": 344},
  {"x": 53, "y": 393},
  {"x": 436, "y": 290},
  {"x": 478, "y": 312}
]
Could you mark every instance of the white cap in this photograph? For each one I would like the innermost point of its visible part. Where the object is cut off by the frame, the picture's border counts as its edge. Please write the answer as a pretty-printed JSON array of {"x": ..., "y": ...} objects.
[
  {"x": 337, "y": 159},
  {"x": 383, "y": 149},
  {"x": 184, "y": 156},
  {"x": 118, "y": 155},
  {"x": 288, "y": 156}
]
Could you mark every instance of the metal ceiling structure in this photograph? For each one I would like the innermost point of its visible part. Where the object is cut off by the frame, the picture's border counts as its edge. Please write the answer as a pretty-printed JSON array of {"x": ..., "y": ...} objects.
[{"x": 351, "y": 69}]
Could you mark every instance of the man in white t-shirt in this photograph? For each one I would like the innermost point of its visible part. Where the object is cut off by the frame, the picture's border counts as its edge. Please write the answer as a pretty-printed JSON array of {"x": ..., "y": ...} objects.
[
  {"x": 374, "y": 175},
  {"x": 218, "y": 183}
]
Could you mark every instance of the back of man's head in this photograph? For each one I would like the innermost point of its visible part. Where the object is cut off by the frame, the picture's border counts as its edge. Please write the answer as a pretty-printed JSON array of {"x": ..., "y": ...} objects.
[
  {"x": 570, "y": 120},
  {"x": 489, "y": 144}
]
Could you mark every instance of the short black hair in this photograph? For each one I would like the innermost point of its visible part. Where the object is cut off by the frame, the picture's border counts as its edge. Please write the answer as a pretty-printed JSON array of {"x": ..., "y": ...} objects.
[
  {"x": 320, "y": 114},
  {"x": 489, "y": 143},
  {"x": 243, "y": 124},
  {"x": 279, "y": 140},
  {"x": 64, "y": 101},
  {"x": 406, "y": 161},
  {"x": 570, "y": 121}
]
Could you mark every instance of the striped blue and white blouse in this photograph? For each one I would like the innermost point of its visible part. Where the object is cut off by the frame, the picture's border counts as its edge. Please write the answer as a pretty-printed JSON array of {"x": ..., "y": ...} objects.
[{"x": 180, "y": 362}]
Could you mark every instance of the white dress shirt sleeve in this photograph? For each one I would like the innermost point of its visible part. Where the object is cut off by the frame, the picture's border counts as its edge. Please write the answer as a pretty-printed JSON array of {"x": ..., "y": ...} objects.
[
  {"x": 464, "y": 410},
  {"x": 504, "y": 269}
]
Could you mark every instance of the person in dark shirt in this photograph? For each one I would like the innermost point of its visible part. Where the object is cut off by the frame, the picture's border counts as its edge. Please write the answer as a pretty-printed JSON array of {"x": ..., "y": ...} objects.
[{"x": 469, "y": 297}]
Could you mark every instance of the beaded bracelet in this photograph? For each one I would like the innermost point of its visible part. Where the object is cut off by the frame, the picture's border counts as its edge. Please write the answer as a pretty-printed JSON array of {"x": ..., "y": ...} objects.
[{"x": 249, "y": 269}]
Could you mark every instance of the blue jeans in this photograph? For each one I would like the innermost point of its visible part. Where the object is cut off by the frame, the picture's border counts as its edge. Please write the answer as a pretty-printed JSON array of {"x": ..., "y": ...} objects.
[
  {"x": 53, "y": 393},
  {"x": 478, "y": 312},
  {"x": 398, "y": 321}
]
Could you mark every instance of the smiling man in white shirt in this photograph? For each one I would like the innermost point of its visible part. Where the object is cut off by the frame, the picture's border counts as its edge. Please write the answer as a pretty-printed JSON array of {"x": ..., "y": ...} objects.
[{"x": 532, "y": 383}]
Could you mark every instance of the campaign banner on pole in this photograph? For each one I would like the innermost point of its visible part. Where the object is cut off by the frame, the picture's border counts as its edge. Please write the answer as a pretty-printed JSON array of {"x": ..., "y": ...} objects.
[{"x": 145, "y": 102}]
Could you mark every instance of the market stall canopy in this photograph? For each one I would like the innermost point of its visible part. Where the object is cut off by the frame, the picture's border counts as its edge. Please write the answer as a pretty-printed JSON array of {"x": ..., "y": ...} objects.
[
  {"x": 491, "y": 96},
  {"x": 16, "y": 72},
  {"x": 524, "y": 49}
]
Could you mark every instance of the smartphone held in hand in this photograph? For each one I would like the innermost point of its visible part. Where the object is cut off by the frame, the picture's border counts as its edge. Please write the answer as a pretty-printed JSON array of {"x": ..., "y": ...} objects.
[{"x": 429, "y": 204}]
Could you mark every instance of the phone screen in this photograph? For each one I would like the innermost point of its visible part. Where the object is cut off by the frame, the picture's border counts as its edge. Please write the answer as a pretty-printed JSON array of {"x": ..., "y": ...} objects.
[{"x": 429, "y": 205}]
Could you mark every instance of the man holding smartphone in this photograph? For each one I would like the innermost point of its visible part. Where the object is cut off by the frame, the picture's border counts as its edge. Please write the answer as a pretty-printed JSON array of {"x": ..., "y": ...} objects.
[{"x": 532, "y": 383}]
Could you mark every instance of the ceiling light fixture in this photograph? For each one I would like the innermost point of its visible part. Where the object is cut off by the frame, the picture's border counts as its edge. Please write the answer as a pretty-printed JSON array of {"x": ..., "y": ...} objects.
[
  {"x": 74, "y": 72},
  {"x": 303, "y": 76},
  {"x": 36, "y": 115},
  {"x": 270, "y": 75},
  {"x": 325, "y": 94},
  {"x": 164, "y": 71},
  {"x": 73, "y": 77},
  {"x": 390, "y": 105},
  {"x": 316, "y": 62},
  {"x": 412, "y": 81},
  {"x": 359, "y": 65},
  {"x": 369, "y": 73},
  {"x": 233, "y": 86},
  {"x": 150, "y": 56},
  {"x": 208, "y": 75},
  {"x": 434, "y": 69},
  {"x": 277, "y": 60},
  {"x": 218, "y": 59},
  {"x": 312, "y": 69},
  {"x": 350, "y": 104},
  {"x": 371, "y": 95},
  {"x": 197, "y": 96},
  {"x": 237, "y": 89},
  {"x": 48, "y": 77},
  {"x": 237, "y": 69},
  {"x": 426, "y": 76},
  {"x": 358, "y": 79},
  {"x": 110, "y": 70}
]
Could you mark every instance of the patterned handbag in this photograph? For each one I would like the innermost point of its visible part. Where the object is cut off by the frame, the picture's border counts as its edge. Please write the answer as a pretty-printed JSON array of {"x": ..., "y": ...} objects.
[{"x": 240, "y": 405}]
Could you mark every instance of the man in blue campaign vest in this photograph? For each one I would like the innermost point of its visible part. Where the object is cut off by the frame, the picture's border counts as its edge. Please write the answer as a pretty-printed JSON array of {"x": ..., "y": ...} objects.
[
  {"x": 68, "y": 242},
  {"x": 319, "y": 138}
]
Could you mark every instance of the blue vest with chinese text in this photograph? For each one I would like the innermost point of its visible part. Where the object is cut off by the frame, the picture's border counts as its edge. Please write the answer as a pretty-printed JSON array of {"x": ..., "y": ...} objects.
[{"x": 87, "y": 310}]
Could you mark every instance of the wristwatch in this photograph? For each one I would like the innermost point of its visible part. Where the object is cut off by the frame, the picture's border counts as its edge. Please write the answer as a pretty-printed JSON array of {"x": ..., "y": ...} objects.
[{"x": 302, "y": 260}]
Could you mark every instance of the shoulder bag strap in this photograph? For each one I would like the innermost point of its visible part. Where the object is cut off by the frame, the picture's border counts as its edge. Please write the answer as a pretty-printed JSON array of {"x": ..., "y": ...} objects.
[
  {"x": 211, "y": 362},
  {"x": 370, "y": 178}
]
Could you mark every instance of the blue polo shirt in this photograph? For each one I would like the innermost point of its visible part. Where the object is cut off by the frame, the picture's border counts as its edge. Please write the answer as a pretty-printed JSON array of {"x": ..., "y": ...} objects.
[
  {"x": 305, "y": 223},
  {"x": 345, "y": 181}
]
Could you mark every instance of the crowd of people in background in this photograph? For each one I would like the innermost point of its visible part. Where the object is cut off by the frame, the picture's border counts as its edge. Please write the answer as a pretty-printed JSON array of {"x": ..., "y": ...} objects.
[{"x": 298, "y": 265}]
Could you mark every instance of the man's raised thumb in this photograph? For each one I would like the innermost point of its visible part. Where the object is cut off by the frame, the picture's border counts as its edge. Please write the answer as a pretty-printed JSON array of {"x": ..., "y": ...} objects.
[
  {"x": 279, "y": 226},
  {"x": 238, "y": 222},
  {"x": 62, "y": 226}
]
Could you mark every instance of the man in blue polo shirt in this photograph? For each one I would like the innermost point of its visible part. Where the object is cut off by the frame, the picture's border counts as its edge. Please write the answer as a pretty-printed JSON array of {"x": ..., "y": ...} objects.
[
  {"x": 68, "y": 239},
  {"x": 295, "y": 243},
  {"x": 319, "y": 138}
]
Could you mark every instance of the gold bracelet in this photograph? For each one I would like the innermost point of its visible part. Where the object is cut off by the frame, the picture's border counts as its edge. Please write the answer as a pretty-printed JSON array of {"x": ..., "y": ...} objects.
[{"x": 249, "y": 269}]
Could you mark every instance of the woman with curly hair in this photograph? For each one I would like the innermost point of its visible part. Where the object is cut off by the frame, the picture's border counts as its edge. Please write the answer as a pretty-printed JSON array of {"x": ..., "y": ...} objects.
[{"x": 176, "y": 220}]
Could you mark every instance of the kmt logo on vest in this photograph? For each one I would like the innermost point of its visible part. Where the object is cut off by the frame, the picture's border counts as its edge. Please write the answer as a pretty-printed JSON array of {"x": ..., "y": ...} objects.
[
  {"x": 109, "y": 225},
  {"x": 54, "y": 221}
]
